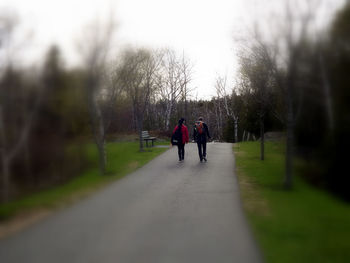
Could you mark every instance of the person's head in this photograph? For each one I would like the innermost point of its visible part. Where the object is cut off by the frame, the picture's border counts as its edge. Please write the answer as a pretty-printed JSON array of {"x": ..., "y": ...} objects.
[
  {"x": 200, "y": 118},
  {"x": 181, "y": 121}
]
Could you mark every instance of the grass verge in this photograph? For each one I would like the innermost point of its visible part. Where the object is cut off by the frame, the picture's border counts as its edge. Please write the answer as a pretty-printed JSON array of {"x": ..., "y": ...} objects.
[
  {"x": 301, "y": 225},
  {"x": 123, "y": 158}
]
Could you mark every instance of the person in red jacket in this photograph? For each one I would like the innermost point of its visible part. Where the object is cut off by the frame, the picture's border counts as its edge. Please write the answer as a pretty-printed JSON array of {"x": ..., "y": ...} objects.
[{"x": 180, "y": 135}]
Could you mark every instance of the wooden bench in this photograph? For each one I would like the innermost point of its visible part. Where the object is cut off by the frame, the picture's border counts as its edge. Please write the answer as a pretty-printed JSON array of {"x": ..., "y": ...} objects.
[{"x": 146, "y": 137}]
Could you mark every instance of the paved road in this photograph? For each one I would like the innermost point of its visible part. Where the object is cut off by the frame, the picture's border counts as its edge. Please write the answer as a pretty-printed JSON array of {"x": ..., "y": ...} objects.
[{"x": 166, "y": 212}]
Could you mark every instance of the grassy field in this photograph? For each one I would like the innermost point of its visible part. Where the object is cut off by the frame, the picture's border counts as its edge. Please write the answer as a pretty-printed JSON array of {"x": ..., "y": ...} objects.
[
  {"x": 123, "y": 158},
  {"x": 301, "y": 225}
]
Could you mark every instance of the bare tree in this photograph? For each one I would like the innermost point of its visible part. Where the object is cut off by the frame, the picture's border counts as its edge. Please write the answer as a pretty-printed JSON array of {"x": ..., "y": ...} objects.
[
  {"x": 285, "y": 66},
  {"x": 111, "y": 93},
  {"x": 14, "y": 129},
  {"x": 282, "y": 57},
  {"x": 169, "y": 85},
  {"x": 218, "y": 108},
  {"x": 294, "y": 52},
  {"x": 137, "y": 73},
  {"x": 173, "y": 78},
  {"x": 95, "y": 47},
  {"x": 186, "y": 78},
  {"x": 255, "y": 68},
  {"x": 221, "y": 91}
]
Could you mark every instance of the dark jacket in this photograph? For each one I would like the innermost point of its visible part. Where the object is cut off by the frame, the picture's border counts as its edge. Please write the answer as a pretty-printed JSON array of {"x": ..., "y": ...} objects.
[{"x": 201, "y": 137}]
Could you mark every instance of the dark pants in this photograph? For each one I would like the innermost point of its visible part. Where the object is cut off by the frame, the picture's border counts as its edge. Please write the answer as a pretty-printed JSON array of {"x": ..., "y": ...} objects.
[
  {"x": 202, "y": 149},
  {"x": 181, "y": 151}
]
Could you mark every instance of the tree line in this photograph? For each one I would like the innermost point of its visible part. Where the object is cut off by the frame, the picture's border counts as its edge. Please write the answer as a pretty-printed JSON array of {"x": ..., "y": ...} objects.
[
  {"x": 49, "y": 113},
  {"x": 299, "y": 78}
]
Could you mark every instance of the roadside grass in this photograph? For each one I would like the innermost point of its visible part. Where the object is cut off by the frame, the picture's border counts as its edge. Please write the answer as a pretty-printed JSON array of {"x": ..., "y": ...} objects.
[
  {"x": 300, "y": 225},
  {"x": 123, "y": 158}
]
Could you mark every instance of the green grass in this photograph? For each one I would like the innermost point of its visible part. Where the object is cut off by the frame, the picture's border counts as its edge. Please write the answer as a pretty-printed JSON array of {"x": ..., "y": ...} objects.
[
  {"x": 300, "y": 225},
  {"x": 123, "y": 158}
]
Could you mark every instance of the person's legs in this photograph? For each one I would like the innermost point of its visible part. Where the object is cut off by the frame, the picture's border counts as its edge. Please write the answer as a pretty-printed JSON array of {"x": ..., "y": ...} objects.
[
  {"x": 183, "y": 151},
  {"x": 205, "y": 151},
  {"x": 199, "y": 144},
  {"x": 179, "y": 150}
]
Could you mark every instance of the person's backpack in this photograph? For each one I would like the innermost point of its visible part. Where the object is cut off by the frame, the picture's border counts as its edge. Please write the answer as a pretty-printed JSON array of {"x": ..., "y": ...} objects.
[
  {"x": 176, "y": 138},
  {"x": 199, "y": 127}
]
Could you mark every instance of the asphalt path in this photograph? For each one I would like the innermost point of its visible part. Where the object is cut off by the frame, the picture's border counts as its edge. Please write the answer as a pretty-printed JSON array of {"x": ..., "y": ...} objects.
[{"x": 165, "y": 212}]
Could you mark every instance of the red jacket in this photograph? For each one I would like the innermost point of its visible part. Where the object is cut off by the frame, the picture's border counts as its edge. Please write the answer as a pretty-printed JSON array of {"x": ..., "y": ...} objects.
[{"x": 184, "y": 132}]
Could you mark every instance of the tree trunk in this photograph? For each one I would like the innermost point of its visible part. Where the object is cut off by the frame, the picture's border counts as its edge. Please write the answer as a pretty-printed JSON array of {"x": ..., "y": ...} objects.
[
  {"x": 102, "y": 156},
  {"x": 289, "y": 144},
  {"x": 327, "y": 94},
  {"x": 217, "y": 118},
  {"x": 186, "y": 116},
  {"x": 100, "y": 138},
  {"x": 140, "y": 127},
  {"x": 236, "y": 129},
  {"x": 6, "y": 179},
  {"x": 28, "y": 161},
  {"x": 141, "y": 141},
  {"x": 168, "y": 115},
  {"x": 97, "y": 125},
  {"x": 262, "y": 139},
  {"x": 5, "y": 161},
  {"x": 220, "y": 121}
]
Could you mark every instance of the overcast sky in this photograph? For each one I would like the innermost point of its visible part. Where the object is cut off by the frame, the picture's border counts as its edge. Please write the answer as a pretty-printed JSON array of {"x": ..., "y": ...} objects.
[{"x": 203, "y": 30}]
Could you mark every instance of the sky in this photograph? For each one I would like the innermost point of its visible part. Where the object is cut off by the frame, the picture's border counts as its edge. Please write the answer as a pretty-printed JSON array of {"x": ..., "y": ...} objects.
[{"x": 204, "y": 30}]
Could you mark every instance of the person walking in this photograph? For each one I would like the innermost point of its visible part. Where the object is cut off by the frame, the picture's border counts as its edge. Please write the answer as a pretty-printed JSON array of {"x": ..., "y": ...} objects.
[
  {"x": 200, "y": 134},
  {"x": 180, "y": 138}
]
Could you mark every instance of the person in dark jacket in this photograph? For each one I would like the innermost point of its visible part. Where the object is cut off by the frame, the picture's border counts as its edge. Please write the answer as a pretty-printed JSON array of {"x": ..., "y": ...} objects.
[
  {"x": 184, "y": 138},
  {"x": 200, "y": 134}
]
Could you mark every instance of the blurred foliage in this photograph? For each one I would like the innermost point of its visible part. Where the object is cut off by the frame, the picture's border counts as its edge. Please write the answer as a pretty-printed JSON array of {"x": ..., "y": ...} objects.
[
  {"x": 301, "y": 225},
  {"x": 57, "y": 98},
  {"x": 323, "y": 144},
  {"x": 320, "y": 98},
  {"x": 339, "y": 64},
  {"x": 124, "y": 158},
  {"x": 53, "y": 101}
]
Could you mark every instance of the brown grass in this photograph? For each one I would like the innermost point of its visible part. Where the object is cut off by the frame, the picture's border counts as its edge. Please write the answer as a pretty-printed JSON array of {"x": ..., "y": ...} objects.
[
  {"x": 22, "y": 221},
  {"x": 253, "y": 201}
]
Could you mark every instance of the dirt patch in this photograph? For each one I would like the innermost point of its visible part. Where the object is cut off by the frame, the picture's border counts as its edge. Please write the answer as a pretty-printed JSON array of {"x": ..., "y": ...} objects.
[
  {"x": 237, "y": 151},
  {"x": 133, "y": 165},
  {"x": 24, "y": 219},
  {"x": 21, "y": 221},
  {"x": 253, "y": 201}
]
